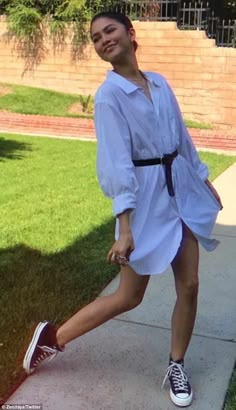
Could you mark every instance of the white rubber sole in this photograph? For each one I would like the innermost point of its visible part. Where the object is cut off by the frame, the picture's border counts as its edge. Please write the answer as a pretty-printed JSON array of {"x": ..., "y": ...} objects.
[
  {"x": 181, "y": 402},
  {"x": 30, "y": 351}
]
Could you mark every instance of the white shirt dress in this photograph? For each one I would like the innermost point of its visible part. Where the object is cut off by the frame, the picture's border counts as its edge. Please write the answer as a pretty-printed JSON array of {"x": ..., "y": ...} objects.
[{"x": 129, "y": 127}]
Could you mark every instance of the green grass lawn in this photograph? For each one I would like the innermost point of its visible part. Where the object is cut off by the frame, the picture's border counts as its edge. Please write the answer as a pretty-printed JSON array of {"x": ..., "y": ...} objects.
[
  {"x": 230, "y": 403},
  {"x": 39, "y": 101},
  {"x": 56, "y": 228},
  {"x": 197, "y": 124}
]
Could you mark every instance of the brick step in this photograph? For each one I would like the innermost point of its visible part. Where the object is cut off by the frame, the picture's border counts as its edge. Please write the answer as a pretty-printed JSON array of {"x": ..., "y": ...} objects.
[
  {"x": 172, "y": 34},
  {"x": 83, "y": 127},
  {"x": 155, "y": 25},
  {"x": 170, "y": 42}
]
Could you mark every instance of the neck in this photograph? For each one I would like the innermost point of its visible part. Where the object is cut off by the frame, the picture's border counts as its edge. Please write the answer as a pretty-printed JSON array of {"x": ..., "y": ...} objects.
[{"x": 128, "y": 69}]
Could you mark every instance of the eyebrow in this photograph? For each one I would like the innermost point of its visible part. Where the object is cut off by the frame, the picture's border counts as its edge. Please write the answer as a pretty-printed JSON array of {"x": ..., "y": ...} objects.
[{"x": 104, "y": 29}]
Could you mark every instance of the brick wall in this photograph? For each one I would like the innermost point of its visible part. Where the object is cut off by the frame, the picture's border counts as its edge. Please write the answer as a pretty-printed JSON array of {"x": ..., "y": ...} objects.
[{"x": 202, "y": 75}]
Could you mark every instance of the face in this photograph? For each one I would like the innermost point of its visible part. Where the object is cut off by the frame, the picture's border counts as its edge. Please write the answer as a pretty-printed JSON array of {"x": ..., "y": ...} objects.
[{"x": 111, "y": 39}]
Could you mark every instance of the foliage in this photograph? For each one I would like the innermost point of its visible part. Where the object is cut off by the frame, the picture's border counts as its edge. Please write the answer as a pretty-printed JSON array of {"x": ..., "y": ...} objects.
[
  {"x": 230, "y": 9},
  {"x": 27, "y": 17},
  {"x": 30, "y": 20},
  {"x": 87, "y": 102}
]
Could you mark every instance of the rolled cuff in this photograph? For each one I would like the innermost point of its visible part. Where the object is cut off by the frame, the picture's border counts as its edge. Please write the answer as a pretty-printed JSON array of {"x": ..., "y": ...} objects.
[{"x": 123, "y": 202}]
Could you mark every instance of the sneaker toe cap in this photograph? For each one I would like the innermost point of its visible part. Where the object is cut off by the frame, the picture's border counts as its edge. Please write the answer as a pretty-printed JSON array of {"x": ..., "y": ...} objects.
[{"x": 182, "y": 396}]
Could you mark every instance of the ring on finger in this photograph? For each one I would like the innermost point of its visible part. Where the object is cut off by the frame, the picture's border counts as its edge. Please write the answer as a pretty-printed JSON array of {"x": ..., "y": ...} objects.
[{"x": 121, "y": 258}]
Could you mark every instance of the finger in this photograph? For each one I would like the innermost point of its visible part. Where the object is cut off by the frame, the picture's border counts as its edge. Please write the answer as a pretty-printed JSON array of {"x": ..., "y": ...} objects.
[
  {"x": 121, "y": 262},
  {"x": 110, "y": 255},
  {"x": 115, "y": 259}
]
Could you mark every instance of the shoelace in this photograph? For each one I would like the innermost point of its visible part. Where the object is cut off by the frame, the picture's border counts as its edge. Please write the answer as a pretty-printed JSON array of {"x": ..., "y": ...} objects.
[
  {"x": 180, "y": 379},
  {"x": 48, "y": 354}
]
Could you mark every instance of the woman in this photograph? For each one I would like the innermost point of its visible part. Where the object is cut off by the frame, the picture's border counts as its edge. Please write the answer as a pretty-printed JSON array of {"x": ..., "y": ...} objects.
[{"x": 163, "y": 202}]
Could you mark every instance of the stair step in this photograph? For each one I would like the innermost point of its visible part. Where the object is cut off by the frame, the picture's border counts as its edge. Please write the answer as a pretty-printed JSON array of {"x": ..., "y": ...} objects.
[
  {"x": 155, "y": 25},
  {"x": 176, "y": 42}
]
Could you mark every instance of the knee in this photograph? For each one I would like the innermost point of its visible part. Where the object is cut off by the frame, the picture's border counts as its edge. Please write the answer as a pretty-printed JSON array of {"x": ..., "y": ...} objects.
[
  {"x": 189, "y": 288},
  {"x": 129, "y": 302}
]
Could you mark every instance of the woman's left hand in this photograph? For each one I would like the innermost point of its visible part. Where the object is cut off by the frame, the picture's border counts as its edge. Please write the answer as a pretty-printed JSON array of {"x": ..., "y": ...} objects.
[
  {"x": 121, "y": 250},
  {"x": 214, "y": 191}
]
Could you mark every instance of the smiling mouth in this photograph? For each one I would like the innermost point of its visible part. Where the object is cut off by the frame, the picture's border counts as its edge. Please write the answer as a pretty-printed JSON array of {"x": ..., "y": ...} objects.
[{"x": 109, "y": 48}]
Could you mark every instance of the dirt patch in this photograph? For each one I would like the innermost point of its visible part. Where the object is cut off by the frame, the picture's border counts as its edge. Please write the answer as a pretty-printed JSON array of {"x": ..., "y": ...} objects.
[
  {"x": 4, "y": 90},
  {"x": 75, "y": 108}
]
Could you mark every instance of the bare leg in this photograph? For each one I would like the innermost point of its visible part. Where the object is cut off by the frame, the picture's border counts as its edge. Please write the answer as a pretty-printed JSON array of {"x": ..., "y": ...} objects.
[
  {"x": 129, "y": 294},
  {"x": 185, "y": 269}
]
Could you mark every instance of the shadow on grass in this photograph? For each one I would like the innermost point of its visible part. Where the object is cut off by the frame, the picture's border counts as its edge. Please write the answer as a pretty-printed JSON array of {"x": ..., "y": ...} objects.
[
  {"x": 36, "y": 286},
  {"x": 10, "y": 149}
]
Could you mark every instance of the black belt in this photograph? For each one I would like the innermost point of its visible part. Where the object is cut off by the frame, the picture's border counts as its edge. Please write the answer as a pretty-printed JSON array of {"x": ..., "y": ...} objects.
[{"x": 167, "y": 161}]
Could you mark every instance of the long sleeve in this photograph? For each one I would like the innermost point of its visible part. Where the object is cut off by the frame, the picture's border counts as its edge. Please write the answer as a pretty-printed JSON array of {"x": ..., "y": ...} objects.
[
  {"x": 186, "y": 147},
  {"x": 115, "y": 169}
]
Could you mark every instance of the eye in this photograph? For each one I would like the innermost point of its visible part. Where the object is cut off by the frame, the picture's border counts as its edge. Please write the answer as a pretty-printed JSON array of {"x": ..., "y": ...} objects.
[{"x": 109, "y": 30}]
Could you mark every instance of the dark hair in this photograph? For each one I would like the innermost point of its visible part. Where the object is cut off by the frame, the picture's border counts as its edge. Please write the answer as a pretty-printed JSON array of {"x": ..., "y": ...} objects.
[{"x": 121, "y": 18}]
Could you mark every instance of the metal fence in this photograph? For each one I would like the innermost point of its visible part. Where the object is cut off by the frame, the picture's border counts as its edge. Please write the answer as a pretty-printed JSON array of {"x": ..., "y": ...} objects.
[
  {"x": 144, "y": 10},
  {"x": 194, "y": 16},
  {"x": 224, "y": 32},
  {"x": 199, "y": 16}
]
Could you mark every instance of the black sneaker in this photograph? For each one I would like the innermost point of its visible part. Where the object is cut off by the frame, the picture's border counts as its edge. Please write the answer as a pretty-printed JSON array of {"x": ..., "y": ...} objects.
[
  {"x": 180, "y": 389},
  {"x": 42, "y": 348}
]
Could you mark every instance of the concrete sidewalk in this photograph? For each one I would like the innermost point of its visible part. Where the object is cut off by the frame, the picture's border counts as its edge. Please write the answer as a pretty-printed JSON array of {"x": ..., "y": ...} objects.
[{"x": 120, "y": 365}]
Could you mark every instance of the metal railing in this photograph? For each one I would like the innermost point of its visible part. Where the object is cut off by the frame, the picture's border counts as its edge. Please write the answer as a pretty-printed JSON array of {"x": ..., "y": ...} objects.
[
  {"x": 198, "y": 16},
  {"x": 194, "y": 16},
  {"x": 144, "y": 10},
  {"x": 224, "y": 32}
]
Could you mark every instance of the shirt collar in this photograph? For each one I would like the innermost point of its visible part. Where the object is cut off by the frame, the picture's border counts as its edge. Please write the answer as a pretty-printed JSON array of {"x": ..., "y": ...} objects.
[{"x": 127, "y": 85}]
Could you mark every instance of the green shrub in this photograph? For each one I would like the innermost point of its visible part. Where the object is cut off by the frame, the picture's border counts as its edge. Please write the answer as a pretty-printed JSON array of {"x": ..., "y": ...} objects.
[{"x": 87, "y": 103}]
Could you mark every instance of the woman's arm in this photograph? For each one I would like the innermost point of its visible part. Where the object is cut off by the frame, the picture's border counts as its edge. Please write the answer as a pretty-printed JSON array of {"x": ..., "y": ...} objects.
[
  {"x": 116, "y": 174},
  {"x": 115, "y": 169}
]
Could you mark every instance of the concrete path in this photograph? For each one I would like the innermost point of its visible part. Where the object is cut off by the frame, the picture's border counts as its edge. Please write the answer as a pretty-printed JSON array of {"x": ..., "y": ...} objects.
[{"x": 120, "y": 365}]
